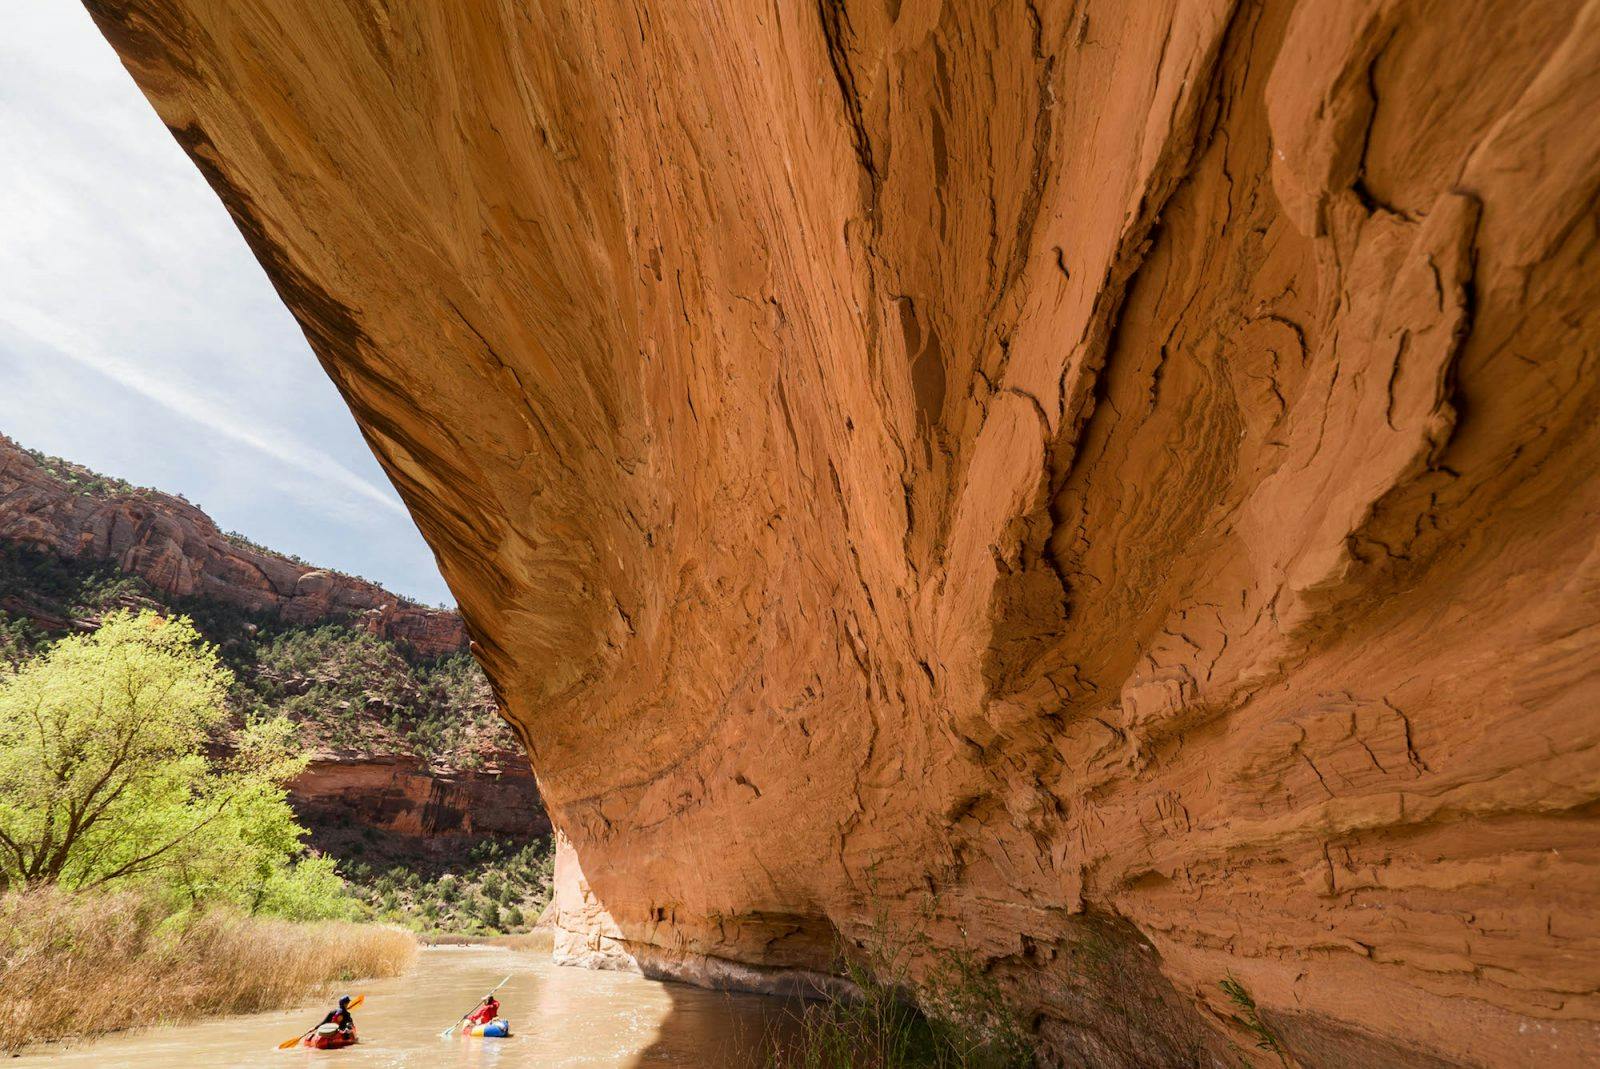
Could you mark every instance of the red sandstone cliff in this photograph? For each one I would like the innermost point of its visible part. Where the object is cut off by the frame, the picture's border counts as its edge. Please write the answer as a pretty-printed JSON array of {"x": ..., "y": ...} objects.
[
  {"x": 179, "y": 551},
  {"x": 1108, "y": 485},
  {"x": 403, "y": 796}
]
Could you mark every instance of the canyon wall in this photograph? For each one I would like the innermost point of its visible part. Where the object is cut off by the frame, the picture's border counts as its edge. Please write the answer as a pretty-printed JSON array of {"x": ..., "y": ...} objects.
[
  {"x": 1106, "y": 489},
  {"x": 180, "y": 552},
  {"x": 402, "y": 795}
]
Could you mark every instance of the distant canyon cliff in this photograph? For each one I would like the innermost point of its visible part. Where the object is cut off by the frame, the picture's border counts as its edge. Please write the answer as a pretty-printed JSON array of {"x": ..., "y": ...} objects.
[
  {"x": 1105, "y": 489},
  {"x": 179, "y": 551}
]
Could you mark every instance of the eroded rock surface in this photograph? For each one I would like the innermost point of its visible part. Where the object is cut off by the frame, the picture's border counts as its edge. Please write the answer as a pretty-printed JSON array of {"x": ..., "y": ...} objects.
[
  {"x": 1107, "y": 487},
  {"x": 399, "y": 794}
]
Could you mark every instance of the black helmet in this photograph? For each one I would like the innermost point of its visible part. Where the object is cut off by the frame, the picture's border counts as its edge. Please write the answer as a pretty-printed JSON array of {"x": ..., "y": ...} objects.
[{"x": 343, "y": 1000}]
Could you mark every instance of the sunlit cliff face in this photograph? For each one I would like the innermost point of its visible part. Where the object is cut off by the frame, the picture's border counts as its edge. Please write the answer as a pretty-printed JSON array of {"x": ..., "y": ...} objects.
[{"x": 1104, "y": 489}]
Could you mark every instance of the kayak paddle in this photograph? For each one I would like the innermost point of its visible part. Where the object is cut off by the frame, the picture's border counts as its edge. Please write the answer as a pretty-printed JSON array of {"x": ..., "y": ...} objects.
[
  {"x": 446, "y": 1033},
  {"x": 286, "y": 1044}
]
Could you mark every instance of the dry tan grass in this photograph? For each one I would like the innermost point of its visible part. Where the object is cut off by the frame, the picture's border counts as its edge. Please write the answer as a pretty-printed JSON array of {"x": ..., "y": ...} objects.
[
  {"x": 534, "y": 942},
  {"x": 105, "y": 962}
]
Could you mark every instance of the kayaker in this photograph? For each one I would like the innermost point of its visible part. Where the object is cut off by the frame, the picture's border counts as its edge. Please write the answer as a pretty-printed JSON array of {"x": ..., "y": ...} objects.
[
  {"x": 341, "y": 1018},
  {"x": 487, "y": 1011}
]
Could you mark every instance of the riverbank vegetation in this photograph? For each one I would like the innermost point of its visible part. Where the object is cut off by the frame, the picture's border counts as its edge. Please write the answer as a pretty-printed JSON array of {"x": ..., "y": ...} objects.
[
  {"x": 340, "y": 687},
  {"x": 87, "y": 963},
  {"x": 114, "y": 770},
  {"x": 958, "y": 1018},
  {"x": 150, "y": 865}
]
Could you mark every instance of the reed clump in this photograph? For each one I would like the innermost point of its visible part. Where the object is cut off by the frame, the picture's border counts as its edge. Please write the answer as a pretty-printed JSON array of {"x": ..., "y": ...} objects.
[
  {"x": 952, "y": 1015},
  {"x": 538, "y": 941},
  {"x": 76, "y": 964}
]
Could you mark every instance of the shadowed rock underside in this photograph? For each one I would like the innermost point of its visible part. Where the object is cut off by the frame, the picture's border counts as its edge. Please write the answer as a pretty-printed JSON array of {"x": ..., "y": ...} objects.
[{"x": 1108, "y": 487}]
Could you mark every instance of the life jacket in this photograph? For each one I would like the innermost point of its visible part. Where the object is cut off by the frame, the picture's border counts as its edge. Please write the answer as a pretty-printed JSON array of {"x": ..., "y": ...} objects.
[{"x": 485, "y": 1013}]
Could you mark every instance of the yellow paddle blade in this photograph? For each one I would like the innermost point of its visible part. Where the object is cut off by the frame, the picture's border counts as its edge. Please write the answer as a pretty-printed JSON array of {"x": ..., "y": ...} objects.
[{"x": 286, "y": 1044}]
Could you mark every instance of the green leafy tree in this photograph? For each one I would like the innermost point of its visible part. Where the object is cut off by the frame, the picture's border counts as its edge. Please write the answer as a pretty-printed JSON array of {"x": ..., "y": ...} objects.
[{"x": 104, "y": 775}]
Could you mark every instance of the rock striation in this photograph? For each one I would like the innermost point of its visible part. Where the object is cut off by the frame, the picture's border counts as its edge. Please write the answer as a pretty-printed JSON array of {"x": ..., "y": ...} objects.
[
  {"x": 399, "y": 794},
  {"x": 1104, "y": 488},
  {"x": 180, "y": 552}
]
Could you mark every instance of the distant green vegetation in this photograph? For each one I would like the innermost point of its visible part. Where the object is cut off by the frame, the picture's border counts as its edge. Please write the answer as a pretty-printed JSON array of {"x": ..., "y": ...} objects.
[
  {"x": 36, "y": 584},
  {"x": 18, "y": 639},
  {"x": 343, "y": 687},
  {"x": 497, "y": 891},
  {"x": 244, "y": 542},
  {"x": 361, "y": 693}
]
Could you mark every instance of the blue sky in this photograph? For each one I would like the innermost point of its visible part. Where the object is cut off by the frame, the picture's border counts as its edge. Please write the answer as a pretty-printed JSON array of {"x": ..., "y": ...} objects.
[{"x": 139, "y": 336}]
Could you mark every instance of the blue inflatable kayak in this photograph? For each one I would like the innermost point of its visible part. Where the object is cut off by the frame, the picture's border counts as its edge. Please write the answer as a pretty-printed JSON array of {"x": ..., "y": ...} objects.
[{"x": 499, "y": 1028}]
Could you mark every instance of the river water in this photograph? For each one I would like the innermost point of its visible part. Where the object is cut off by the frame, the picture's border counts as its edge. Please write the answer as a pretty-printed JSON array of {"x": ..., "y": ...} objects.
[{"x": 561, "y": 1018}]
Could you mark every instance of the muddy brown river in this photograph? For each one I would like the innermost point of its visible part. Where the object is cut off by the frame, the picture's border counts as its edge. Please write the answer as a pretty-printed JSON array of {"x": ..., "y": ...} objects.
[{"x": 561, "y": 1018}]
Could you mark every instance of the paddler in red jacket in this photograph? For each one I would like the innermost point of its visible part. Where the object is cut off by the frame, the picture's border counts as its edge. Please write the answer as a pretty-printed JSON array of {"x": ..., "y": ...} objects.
[{"x": 487, "y": 1011}]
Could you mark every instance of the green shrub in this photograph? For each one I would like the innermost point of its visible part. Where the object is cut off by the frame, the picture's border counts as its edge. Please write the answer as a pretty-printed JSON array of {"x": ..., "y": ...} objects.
[
  {"x": 483, "y": 897},
  {"x": 1249, "y": 1018},
  {"x": 959, "y": 1018},
  {"x": 19, "y": 639}
]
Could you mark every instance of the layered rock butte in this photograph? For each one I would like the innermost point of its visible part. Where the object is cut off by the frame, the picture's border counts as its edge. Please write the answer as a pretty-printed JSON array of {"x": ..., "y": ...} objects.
[
  {"x": 179, "y": 551},
  {"x": 1107, "y": 488}
]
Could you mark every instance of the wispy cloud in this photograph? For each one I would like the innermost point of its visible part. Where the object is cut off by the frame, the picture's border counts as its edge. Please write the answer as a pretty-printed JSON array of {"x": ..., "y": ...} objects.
[
  {"x": 190, "y": 403},
  {"x": 139, "y": 336}
]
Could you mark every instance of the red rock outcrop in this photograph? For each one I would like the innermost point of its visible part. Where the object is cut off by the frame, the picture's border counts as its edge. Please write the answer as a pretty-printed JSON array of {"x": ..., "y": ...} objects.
[
  {"x": 179, "y": 551},
  {"x": 1107, "y": 487},
  {"x": 403, "y": 796}
]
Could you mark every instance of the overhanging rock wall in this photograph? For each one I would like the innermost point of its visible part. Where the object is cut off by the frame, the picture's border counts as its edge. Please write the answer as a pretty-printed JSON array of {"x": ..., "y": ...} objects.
[{"x": 1106, "y": 487}]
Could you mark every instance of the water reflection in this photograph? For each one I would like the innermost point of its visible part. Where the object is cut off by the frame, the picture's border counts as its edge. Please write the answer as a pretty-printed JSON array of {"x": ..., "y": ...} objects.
[{"x": 564, "y": 1019}]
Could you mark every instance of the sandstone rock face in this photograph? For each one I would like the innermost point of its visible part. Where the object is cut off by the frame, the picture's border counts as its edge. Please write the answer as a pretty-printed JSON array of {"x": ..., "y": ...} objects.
[
  {"x": 400, "y": 795},
  {"x": 179, "y": 551},
  {"x": 1104, "y": 487}
]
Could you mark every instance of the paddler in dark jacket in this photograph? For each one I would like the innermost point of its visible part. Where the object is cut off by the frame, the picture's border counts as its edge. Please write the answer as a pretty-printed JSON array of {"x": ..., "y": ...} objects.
[{"x": 341, "y": 1017}]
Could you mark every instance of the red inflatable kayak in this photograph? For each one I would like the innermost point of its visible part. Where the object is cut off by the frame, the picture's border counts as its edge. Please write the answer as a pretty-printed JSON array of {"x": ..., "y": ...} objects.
[{"x": 331, "y": 1039}]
